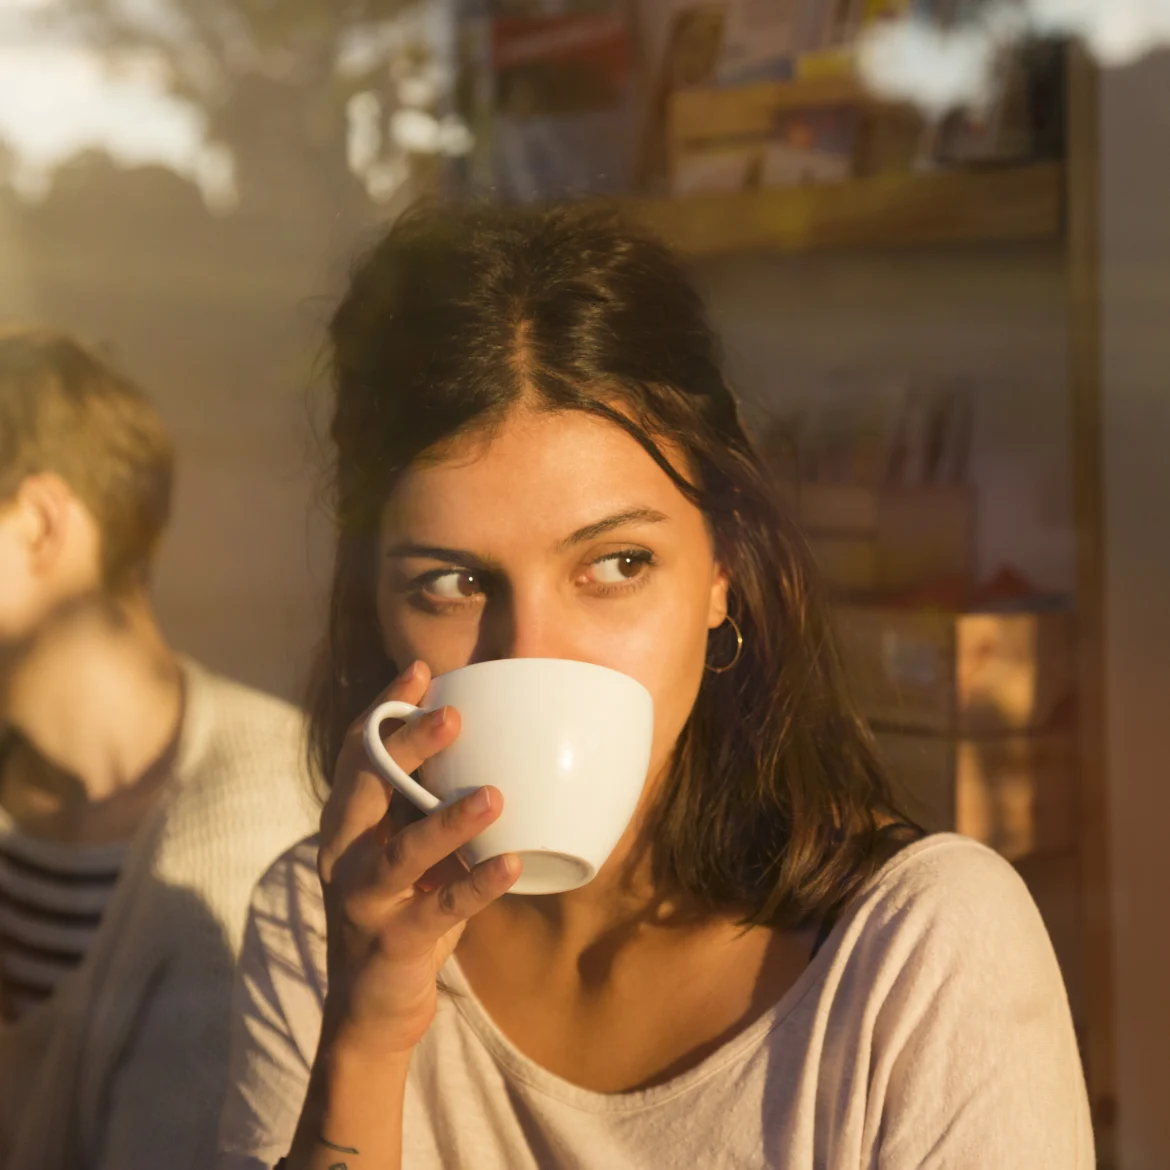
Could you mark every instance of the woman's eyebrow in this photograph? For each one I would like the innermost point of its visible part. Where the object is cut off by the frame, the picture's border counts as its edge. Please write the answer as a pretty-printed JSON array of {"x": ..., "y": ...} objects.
[
  {"x": 592, "y": 531},
  {"x": 434, "y": 552},
  {"x": 616, "y": 520}
]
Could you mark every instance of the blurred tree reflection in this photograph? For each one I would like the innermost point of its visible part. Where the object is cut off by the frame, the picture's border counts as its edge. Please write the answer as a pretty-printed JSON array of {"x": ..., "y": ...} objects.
[
  {"x": 93, "y": 183},
  {"x": 113, "y": 215},
  {"x": 275, "y": 83}
]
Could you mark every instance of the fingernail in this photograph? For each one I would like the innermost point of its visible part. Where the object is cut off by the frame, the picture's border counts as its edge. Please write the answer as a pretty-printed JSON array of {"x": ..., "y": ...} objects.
[
  {"x": 409, "y": 672},
  {"x": 481, "y": 802},
  {"x": 435, "y": 719},
  {"x": 508, "y": 865}
]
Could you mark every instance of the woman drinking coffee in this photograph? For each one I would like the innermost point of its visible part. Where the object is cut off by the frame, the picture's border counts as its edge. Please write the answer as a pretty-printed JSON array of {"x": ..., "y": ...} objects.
[{"x": 538, "y": 458}]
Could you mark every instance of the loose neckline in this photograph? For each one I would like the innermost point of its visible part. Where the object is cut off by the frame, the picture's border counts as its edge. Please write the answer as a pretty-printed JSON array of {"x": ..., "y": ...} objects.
[{"x": 526, "y": 1070}]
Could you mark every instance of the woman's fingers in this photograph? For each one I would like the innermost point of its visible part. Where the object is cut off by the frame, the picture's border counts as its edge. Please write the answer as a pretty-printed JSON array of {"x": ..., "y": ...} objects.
[
  {"x": 346, "y": 817},
  {"x": 373, "y": 867},
  {"x": 417, "y": 740},
  {"x": 378, "y": 876},
  {"x": 409, "y": 687},
  {"x": 410, "y": 746},
  {"x": 435, "y": 913},
  {"x": 360, "y": 797},
  {"x": 450, "y": 869},
  {"x": 407, "y": 857}
]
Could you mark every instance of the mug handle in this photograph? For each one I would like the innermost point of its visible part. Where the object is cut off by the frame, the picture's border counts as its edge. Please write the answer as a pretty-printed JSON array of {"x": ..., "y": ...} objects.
[{"x": 386, "y": 764}]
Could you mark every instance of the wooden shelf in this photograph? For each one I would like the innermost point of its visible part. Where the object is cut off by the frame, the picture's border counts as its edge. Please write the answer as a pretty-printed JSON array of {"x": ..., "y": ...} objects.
[
  {"x": 721, "y": 112},
  {"x": 943, "y": 207}
]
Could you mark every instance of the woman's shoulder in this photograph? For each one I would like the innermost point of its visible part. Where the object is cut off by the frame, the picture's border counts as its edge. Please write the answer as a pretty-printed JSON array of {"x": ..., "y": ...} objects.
[
  {"x": 943, "y": 992},
  {"x": 279, "y": 1005},
  {"x": 289, "y": 890},
  {"x": 942, "y": 864},
  {"x": 286, "y": 920},
  {"x": 948, "y": 901}
]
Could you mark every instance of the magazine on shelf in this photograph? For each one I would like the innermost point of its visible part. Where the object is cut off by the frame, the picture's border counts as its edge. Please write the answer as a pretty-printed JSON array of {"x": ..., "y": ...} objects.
[{"x": 563, "y": 100}]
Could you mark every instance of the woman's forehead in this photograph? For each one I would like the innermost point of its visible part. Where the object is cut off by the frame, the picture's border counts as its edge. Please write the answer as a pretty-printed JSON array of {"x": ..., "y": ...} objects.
[{"x": 552, "y": 472}]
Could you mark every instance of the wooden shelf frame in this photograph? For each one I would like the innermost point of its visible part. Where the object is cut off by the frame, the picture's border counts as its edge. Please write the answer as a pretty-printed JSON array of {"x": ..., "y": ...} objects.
[
  {"x": 1085, "y": 377},
  {"x": 1022, "y": 203}
]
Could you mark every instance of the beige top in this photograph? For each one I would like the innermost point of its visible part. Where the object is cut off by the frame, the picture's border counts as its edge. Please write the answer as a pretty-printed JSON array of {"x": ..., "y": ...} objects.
[
  {"x": 932, "y": 1029},
  {"x": 124, "y": 1066}
]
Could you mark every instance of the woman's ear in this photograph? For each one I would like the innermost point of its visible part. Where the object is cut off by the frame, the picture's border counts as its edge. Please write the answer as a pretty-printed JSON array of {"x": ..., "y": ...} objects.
[{"x": 717, "y": 610}]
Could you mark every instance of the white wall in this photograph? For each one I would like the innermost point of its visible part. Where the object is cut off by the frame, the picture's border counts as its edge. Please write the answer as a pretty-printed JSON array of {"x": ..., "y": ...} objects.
[{"x": 1136, "y": 404}]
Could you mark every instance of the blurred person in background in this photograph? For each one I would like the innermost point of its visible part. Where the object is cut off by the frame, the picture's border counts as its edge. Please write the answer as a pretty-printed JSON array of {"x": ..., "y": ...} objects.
[{"x": 140, "y": 795}]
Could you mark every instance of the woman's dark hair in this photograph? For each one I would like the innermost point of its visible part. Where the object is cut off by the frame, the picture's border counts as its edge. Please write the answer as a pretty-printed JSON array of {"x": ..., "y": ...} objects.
[{"x": 774, "y": 805}]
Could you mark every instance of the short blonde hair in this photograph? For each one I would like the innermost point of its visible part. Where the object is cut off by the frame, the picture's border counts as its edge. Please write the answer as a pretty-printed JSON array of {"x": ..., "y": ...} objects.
[{"x": 64, "y": 410}]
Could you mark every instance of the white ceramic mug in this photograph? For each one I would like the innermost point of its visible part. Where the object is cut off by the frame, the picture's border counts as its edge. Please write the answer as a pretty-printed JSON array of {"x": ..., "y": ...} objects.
[{"x": 567, "y": 743}]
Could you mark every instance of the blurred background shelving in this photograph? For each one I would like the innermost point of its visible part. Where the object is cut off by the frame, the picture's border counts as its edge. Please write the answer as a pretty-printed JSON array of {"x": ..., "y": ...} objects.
[{"x": 1023, "y": 203}]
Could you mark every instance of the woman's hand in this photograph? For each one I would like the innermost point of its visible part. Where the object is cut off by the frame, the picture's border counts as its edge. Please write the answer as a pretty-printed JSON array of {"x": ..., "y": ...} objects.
[{"x": 396, "y": 899}]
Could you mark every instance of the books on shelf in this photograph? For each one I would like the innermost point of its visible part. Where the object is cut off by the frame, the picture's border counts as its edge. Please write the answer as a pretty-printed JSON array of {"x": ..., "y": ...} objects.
[
  {"x": 888, "y": 433},
  {"x": 768, "y": 121},
  {"x": 693, "y": 97},
  {"x": 552, "y": 101},
  {"x": 877, "y": 476}
]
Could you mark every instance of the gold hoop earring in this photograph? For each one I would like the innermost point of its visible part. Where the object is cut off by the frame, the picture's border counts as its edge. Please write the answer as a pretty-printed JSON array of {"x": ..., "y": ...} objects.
[{"x": 738, "y": 649}]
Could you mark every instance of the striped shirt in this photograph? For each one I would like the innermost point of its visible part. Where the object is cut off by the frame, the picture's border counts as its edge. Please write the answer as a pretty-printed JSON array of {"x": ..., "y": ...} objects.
[{"x": 52, "y": 897}]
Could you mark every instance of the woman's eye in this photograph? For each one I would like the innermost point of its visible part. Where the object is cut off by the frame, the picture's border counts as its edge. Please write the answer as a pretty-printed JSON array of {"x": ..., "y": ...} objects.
[
  {"x": 456, "y": 585},
  {"x": 618, "y": 568}
]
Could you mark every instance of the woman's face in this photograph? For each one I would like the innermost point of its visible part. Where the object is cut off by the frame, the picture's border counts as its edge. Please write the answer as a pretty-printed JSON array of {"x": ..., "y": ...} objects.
[{"x": 558, "y": 537}]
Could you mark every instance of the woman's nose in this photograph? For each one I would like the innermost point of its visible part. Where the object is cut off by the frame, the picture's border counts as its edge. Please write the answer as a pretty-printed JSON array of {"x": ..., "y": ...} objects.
[{"x": 523, "y": 626}]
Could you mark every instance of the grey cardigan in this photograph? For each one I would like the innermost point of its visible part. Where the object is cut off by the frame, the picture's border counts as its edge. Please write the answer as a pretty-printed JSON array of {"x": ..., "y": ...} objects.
[{"x": 124, "y": 1067}]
